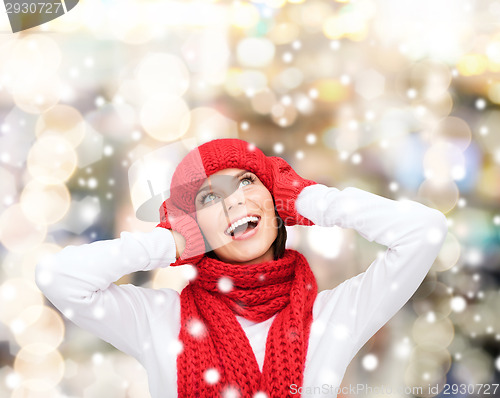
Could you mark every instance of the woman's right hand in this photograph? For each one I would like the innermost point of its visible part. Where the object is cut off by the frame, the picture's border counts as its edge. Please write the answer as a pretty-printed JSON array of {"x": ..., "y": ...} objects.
[
  {"x": 180, "y": 243},
  {"x": 189, "y": 242}
]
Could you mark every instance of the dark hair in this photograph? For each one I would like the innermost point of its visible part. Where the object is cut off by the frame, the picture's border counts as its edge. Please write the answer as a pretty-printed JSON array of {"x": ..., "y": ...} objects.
[
  {"x": 280, "y": 241},
  {"x": 278, "y": 244}
]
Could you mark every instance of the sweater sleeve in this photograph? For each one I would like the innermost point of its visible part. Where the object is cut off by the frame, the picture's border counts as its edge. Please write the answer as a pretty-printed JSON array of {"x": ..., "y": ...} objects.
[
  {"x": 413, "y": 234},
  {"x": 78, "y": 280}
]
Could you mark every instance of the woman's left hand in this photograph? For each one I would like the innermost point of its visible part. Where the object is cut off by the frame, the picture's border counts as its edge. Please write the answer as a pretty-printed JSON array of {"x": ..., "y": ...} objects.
[{"x": 287, "y": 185}]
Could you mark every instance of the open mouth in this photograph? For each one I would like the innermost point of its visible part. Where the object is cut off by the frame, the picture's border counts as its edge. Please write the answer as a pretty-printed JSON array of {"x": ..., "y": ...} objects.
[{"x": 242, "y": 226}]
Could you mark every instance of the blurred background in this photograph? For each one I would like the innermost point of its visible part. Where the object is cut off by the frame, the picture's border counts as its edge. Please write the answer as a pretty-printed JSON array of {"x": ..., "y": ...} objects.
[{"x": 400, "y": 98}]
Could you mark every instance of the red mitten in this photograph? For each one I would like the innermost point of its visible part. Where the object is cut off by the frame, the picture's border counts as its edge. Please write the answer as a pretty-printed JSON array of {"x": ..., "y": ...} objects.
[
  {"x": 287, "y": 186},
  {"x": 171, "y": 217}
]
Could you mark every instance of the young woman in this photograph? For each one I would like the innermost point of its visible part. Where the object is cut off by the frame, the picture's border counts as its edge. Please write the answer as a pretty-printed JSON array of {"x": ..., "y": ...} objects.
[{"x": 251, "y": 324}]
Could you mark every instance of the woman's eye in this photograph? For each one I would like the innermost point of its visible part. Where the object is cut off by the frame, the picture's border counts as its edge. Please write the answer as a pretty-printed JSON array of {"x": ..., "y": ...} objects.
[
  {"x": 209, "y": 197},
  {"x": 246, "y": 181}
]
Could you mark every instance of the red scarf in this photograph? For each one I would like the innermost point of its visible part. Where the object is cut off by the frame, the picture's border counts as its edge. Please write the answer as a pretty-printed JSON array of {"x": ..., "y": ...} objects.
[{"x": 217, "y": 356}]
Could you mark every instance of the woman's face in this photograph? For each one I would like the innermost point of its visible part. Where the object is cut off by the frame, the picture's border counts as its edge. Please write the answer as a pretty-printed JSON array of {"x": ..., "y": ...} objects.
[{"x": 235, "y": 212}]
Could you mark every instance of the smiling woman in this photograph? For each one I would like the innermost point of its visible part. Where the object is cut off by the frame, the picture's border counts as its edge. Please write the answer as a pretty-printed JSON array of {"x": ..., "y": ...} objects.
[{"x": 243, "y": 327}]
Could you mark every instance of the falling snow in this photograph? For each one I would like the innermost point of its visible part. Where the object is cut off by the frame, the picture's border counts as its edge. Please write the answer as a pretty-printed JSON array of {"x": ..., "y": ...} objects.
[
  {"x": 196, "y": 328},
  {"x": 230, "y": 392},
  {"x": 370, "y": 362},
  {"x": 211, "y": 376},
  {"x": 225, "y": 284}
]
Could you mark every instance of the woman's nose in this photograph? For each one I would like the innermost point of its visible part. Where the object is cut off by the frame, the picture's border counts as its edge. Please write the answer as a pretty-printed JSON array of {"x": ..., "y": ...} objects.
[{"x": 235, "y": 199}]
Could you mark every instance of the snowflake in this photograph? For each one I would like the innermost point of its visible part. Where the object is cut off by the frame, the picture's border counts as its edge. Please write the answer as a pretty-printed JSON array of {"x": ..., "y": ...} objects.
[
  {"x": 196, "y": 328},
  {"x": 370, "y": 362},
  {"x": 480, "y": 103},
  {"x": 44, "y": 278},
  {"x": 99, "y": 312},
  {"x": 13, "y": 380},
  {"x": 175, "y": 347},
  {"x": 92, "y": 183},
  {"x": 278, "y": 147},
  {"x": 393, "y": 186},
  {"x": 69, "y": 313},
  {"x": 311, "y": 138},
  {"x": 356, "y": 158},
  {"x": 97, "y": 358},
  {"x": 189, "y": 272},
  {"x": 17, "y": 326},
  {"x": 474, "y": 256},
  {"x": 497, "y": 363},
  {"x": 231, "y": 392},
  {"x": 211, "y": 376},
  {"x": 434, "y": 235},
  {"x": 108, "y": 150},
  {"x": 431, "y": 317},
  {"x": 318, "y": 327},
  {"x": 340, "y": 332},
  {"x": 313, "y": 93},
  {"x": 225, "y": 284}
]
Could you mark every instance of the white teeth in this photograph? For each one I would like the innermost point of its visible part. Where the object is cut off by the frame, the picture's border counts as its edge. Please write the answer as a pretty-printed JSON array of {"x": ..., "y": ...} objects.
[{"x": 241, "y": 221}]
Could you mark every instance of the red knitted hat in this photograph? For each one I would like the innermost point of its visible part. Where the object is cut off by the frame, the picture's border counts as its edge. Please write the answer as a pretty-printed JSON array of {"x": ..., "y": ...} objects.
[{"x": 276, "y": 175}]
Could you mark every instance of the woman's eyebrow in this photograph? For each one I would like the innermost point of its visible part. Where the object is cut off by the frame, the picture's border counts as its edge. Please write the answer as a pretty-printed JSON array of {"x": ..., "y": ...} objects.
[
  {"x": 206, "y": 188},
  {"x": 241, "y": 173},
  {"x": 209, "y": 186}
]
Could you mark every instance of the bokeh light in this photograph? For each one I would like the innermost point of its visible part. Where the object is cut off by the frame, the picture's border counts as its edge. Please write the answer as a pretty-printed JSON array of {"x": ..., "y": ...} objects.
[
  {"x": 7, "y": 188},
  {"x": 45, "y": 204},
  {"x": 443, "y": 195},
  {"x": 18, "y": 233},
  {"x": 38, "y": 324},
  {"x": 255, "y": 52},
  {"x": 453, "y": 130},
  {"x": 17, "y": 294},
  {"x": 243, "y": 15},
  {"x": 162, "y": 73},
  {"x": 34, "y": 376},
  {"x": 62, "y": 120},
  {"x": 165, "y": 118},
  {"x": 263, "y": 101},
  {"x": 34, "y": 256},
  {"x": 130, "y": 24},
  {"x": 449, "y": 254},
  {"x": 208, "y": 124},
  {"x": 38, "y": 96},
  {"x": 32, "y": 59},
  {"x": 51, "y": 160},
  {"x": 330, "y": 90},
  {"x": 427, "y": 328}
]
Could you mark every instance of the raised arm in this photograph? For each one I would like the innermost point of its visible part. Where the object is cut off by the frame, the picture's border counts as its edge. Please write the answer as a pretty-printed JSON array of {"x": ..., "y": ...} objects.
[
  {"x": 413, "y": 234},
  {"x": 78, "y": 280}
]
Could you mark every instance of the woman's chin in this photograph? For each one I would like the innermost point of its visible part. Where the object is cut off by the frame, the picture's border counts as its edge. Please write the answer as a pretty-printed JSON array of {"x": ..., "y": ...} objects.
[{"x": 246, "y": 255}]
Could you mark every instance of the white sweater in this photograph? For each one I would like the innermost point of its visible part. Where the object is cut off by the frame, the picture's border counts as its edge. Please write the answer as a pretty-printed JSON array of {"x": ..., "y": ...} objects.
[{"x": 145, "y": 322}]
